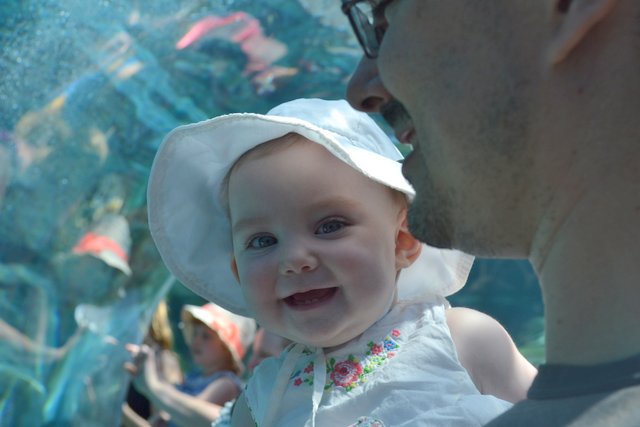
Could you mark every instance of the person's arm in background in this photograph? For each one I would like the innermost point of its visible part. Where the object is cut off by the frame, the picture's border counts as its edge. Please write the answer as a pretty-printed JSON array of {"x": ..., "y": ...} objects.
[
  {"x": 184, "y": 410},
  {"x": 169, "y": 369},
  {"x": 32, "y": 348},
  {"x": 489, "y": 354},
  {"x": 131, "y": 419}
]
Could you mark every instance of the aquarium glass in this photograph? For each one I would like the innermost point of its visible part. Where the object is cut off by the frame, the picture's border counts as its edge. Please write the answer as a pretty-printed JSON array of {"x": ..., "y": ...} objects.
[{"x": 88, "y": 90}]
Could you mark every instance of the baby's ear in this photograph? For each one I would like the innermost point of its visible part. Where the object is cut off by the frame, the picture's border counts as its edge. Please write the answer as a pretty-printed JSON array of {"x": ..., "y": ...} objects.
[
  {"x": 234, "y": 269},
  {"x": 408, "y": 248}
]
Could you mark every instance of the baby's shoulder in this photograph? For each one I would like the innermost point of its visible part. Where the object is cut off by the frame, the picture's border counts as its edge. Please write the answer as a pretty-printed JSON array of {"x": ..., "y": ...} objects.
[{"x": 474, "y": 333}]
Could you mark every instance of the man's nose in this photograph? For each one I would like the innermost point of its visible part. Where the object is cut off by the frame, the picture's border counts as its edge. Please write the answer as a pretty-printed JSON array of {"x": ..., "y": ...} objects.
[{"x": 365, "y": 91}]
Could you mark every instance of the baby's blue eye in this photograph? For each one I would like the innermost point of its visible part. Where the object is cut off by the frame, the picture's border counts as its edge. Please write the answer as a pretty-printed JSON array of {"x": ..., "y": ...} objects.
[
  {"x": 330, "y": 227},
  {"x": 261, "y": 242}
]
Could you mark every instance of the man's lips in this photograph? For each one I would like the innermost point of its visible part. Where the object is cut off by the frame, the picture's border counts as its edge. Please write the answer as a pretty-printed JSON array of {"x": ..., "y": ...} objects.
[
  {"x": 396, "y": 116},
  {"x": 309, "y": 299},
  {"x": 405, "y": 136}
]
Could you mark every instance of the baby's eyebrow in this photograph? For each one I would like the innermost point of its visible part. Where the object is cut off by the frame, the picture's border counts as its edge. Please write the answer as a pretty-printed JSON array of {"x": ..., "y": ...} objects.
[
  {"x": 335, "y": 201},
  {"x": 243, "y": 223}
]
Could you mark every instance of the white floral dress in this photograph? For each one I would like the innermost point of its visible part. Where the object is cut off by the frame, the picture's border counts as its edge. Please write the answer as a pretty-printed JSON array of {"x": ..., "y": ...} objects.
[{"x": 403, "y": 371}]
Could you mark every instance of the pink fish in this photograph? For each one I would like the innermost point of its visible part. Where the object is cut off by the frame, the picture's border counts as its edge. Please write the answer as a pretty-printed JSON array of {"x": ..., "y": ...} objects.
[
  {"x": 208, "y": 24},
  {"x": 242, "y": 29}
]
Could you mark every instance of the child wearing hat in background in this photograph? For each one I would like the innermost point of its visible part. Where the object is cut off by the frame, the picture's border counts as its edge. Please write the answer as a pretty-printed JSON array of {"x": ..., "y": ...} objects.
[
  {"x": 305, "y": 207},
  {"x": 265, "y": 344},
  {"x": 217, "y": 341}
]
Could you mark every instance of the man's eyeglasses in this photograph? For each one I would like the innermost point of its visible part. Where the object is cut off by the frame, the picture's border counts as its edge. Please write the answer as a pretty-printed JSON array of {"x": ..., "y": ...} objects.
[{"x": 366, "y": 17}]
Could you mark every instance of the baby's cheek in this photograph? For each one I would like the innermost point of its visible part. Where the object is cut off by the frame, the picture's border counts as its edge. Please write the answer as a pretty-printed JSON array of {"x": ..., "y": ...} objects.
[{"x": 256, "y": 293}]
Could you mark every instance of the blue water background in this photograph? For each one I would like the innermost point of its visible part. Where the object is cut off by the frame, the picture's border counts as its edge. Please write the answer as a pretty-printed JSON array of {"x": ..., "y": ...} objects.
[{"x": 88, "y": 90}]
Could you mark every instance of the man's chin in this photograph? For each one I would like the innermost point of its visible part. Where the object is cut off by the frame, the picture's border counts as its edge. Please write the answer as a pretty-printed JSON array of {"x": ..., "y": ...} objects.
[
  {"x": 428, "y": 228},
  {"x": 408, "y": 166}
]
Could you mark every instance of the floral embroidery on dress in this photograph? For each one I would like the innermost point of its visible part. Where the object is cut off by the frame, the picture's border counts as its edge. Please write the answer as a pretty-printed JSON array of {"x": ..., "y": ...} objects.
[
  {"x": 352, "y": 371},
  {"x": 344, "y": 374}
]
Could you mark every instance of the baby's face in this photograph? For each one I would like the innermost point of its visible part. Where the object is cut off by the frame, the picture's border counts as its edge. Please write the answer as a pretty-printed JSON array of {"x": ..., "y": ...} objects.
[{"x": 314, "y": 244}]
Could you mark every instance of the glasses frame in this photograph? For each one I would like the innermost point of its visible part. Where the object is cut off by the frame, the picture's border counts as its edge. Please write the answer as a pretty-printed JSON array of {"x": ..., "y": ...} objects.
[{"x": 369, "y": 36}]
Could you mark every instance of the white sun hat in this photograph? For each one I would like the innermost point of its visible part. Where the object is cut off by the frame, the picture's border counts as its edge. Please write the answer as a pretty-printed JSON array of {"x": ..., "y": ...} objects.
[{"x": 188, "y": 219}]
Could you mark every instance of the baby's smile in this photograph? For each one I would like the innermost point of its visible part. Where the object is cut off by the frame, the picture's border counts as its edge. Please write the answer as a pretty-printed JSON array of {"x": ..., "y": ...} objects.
[{"x": 310, "y": 299}]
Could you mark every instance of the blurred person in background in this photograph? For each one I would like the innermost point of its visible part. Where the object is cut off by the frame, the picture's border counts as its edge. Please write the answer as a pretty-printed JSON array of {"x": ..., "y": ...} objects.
[
  {"x": 138, "y": 409},
  {"x": 217, "y": 342}
]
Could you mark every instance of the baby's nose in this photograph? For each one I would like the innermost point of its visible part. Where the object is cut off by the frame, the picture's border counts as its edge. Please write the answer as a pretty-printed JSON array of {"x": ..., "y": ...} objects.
[{"x": 298, "y": 260}]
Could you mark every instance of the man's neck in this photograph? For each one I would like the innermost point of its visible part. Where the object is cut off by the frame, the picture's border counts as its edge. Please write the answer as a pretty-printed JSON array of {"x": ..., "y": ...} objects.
[{"x": 590, "y": 273}]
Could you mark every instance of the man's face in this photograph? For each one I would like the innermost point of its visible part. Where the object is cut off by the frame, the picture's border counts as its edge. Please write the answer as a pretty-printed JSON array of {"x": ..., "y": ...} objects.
[
  {"x": 465, "y": 80},
  {"x": 429, "y": 222}
]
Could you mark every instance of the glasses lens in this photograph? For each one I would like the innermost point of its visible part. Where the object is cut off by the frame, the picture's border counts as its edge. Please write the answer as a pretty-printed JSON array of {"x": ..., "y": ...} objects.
[{"x": 361, "y": 15}]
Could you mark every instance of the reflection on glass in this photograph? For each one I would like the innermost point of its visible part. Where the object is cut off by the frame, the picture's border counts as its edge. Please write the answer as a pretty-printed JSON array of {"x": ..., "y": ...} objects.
[
  {"x": 89, "y": 89},
  {"x": 88, "y": 92}
]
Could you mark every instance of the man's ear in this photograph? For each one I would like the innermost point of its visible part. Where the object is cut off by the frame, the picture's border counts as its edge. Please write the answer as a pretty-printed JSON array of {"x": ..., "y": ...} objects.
[
  {"x": 408, "y": 248},
  {"x": 579, "y": 18},
  {"x": 234, "y": 268}
]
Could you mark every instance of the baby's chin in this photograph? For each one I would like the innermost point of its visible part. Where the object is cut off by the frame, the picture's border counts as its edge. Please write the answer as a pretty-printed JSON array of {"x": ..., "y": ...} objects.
[
  {"x": 323, "y": 330},
  {"x": 335, "y": 341}
]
